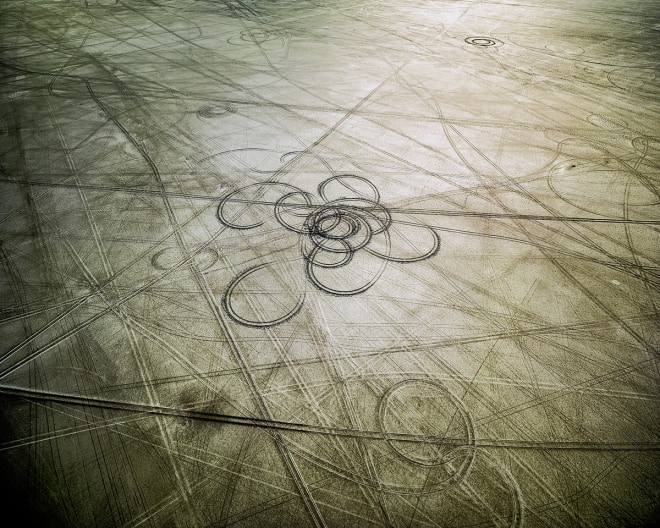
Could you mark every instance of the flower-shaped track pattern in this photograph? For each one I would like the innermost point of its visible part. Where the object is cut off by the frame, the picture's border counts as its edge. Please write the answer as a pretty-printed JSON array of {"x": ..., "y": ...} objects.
[{"x": 347, "y": 237}]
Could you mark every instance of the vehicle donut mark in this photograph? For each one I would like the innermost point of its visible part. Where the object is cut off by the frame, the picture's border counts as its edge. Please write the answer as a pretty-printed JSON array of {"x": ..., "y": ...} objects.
[
  {"x": 484, "y": 42},
  {"x": 425, "y": 443},
  {"x": 242, "y": 309},
  {"x": 426, "y": 407},
  {"x": 215, "y": 111},
  {"x": 345, "y": 234}
]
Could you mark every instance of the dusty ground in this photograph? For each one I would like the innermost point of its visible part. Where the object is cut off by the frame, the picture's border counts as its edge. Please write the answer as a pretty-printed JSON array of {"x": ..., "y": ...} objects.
[{"x": 332, "y": 263}]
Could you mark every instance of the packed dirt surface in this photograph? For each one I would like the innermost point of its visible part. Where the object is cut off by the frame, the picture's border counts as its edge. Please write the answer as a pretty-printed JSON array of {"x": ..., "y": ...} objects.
[{"x": 330, "y": 263}]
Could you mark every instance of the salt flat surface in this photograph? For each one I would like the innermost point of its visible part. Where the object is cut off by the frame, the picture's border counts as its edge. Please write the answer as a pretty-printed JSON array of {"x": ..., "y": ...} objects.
[{"x": 329, "y": 263}]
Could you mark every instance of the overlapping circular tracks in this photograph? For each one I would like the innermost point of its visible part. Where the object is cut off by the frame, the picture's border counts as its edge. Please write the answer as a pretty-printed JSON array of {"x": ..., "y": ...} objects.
[{"x": 347, "y": 236}]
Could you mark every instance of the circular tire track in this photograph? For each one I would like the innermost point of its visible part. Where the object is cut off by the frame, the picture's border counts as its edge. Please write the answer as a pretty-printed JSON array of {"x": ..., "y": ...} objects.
[
  {"x": 426, "y": 407},
  {"x": 345, "y": 240},
  {"x": 483, "y": 42},
  {"x": 273, "y": 304},
  {"x": 216, "y": 111}
]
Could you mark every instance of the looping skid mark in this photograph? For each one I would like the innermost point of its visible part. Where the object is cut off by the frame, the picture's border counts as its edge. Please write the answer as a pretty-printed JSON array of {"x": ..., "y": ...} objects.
[{"x": 347, "y": 237}]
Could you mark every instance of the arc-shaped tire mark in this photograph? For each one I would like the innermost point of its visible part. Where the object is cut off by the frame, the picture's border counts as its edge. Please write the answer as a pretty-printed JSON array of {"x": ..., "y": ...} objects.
[{"x": 288, "y": 459}]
